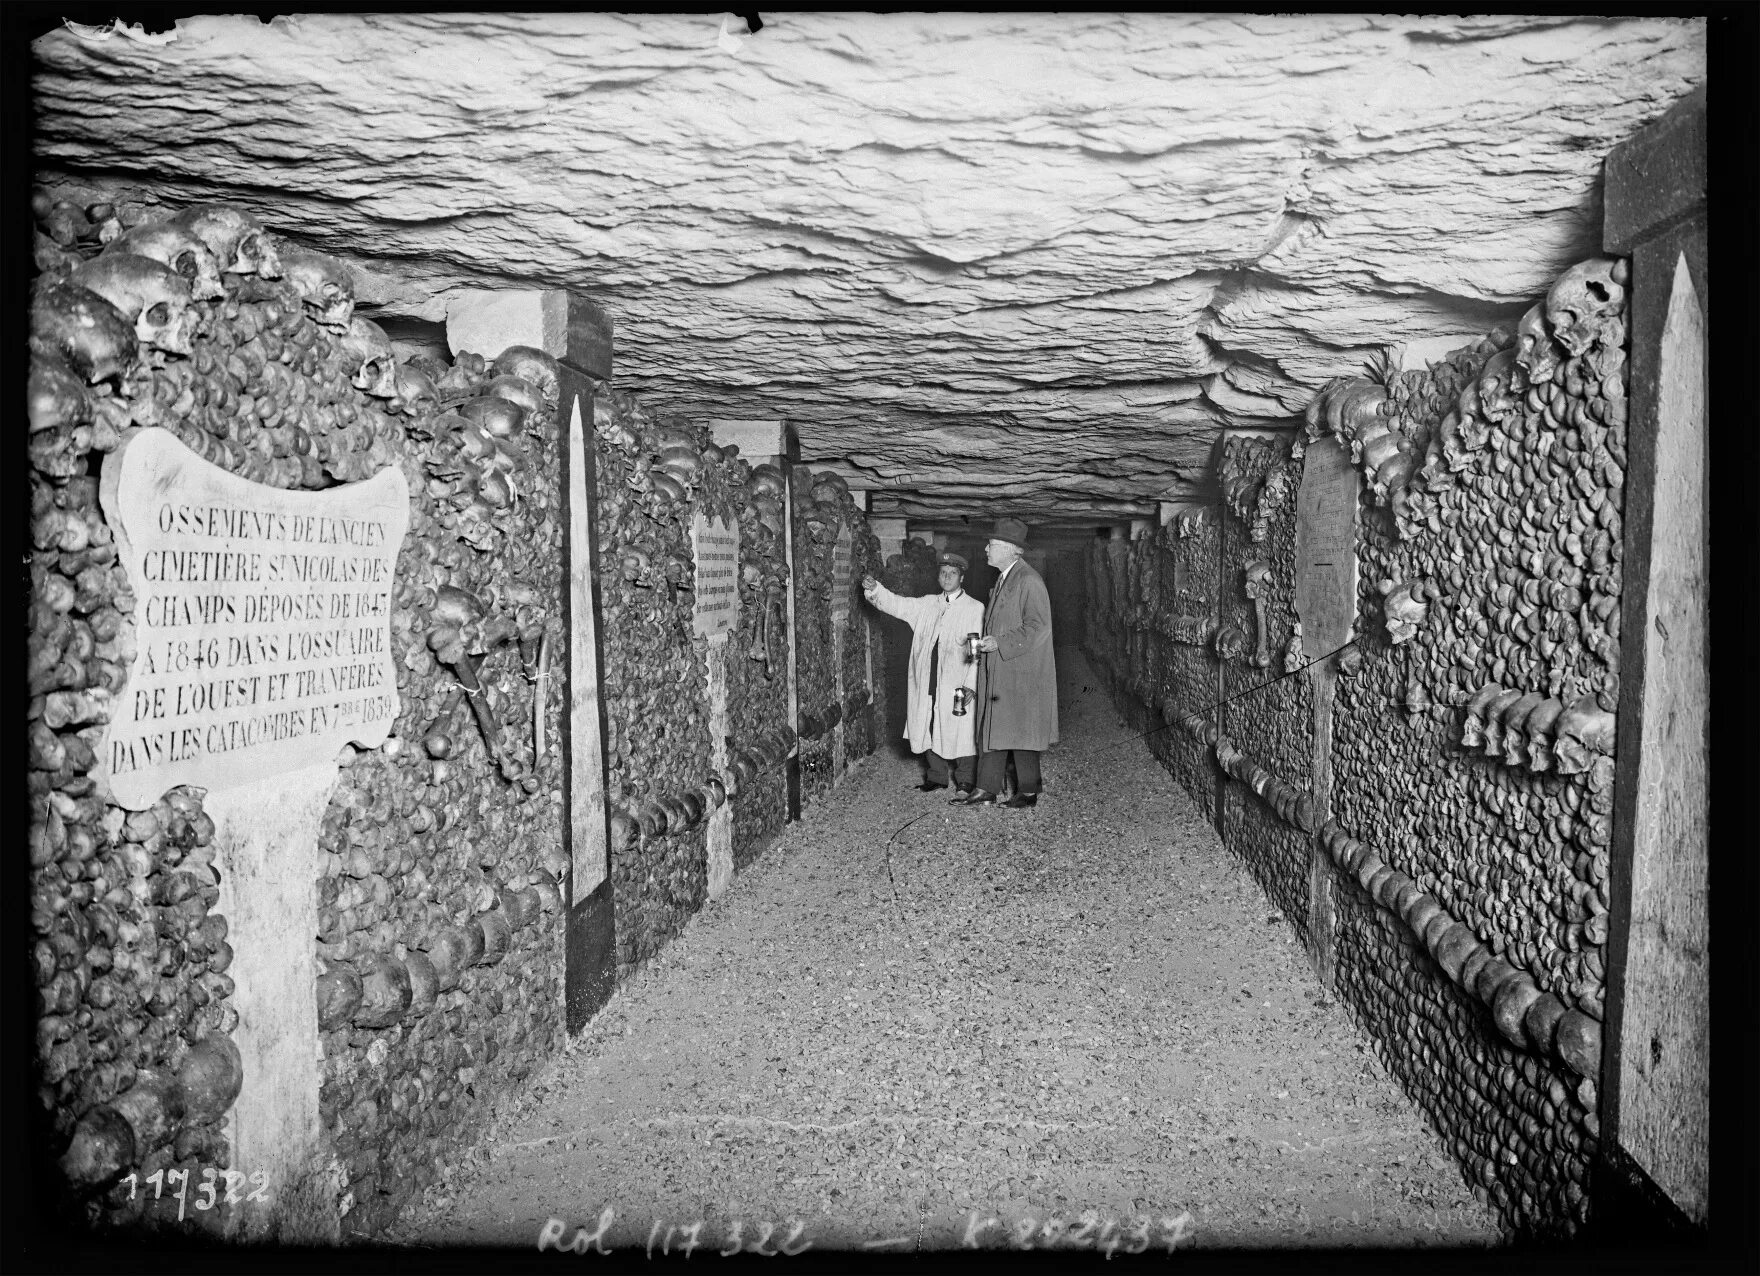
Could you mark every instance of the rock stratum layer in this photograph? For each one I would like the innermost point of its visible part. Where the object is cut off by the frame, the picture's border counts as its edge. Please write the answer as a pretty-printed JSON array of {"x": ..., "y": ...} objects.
[{"x": 1017, "y": 264}]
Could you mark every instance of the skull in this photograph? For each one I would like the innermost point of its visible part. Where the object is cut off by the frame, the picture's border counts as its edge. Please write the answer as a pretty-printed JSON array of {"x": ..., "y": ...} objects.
[
  {"x": 366, "y": 352},
  {"x": 236, "y": 239},
  {"x": 153, "y": 296},
  {"x": 1405, "y": 609},
  {"x": 174, "y": 247},
  {"x": 534, "y": 366},
  {"x": 1474, "y": 433},
  {"x": 1258, "y": 582},
  {"x": 517, "y": 391},
  {"x": 1473, "y": 729},
  {"x": 55, "y": 395},
  {"x": 1586, "y": 306},
  {"x": 1535, "y": 349},
  {"x": 93, "y": 336},
  {"x": 1391, "y": 478},
  {"x": 1467, "y": 401},
  {"x": 1515, "y": 721},
  {"x": 1433, "y": 466},
  {"x": 1497, "y": 388},
  {"x": 1494, "y": 712},
  {"x": 1583, "y": 729},
  {"x": 1352, "y": 406},
  {"x": 414, "y": 389},
  {"x": 1294, "y": 658},
  {"x": 1539, "y": 728},
  {"x": 1230, "y": 643},
  {"x": 323, "y": 283},
  {"x": 500, "y": 417},
  {"x": 1457, "y": 441},
  {"x": 1372, "y": 448}
]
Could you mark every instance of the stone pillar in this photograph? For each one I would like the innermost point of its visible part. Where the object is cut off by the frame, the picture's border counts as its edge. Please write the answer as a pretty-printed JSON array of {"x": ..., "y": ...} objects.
[
  {"x": 840, "y": 572},
  {"x": 1326, "y": 610},
  {"x": 774, "y": 442},
  {"x": 578, "y": 334},
  {"x": 715, "y": 559},
  {"x": 1655, "y": 1086}
]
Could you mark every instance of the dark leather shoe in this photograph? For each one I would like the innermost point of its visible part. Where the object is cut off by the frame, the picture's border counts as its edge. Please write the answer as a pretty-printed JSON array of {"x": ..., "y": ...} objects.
[
  {"x": 929, "y": 788},
  {"x": 977, "y": 797},
  {"x": 1022, "y": 799}
]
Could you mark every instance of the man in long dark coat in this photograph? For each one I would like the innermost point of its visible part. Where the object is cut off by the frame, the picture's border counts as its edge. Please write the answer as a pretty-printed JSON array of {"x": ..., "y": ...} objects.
[{"x": 1017, "y": 676}]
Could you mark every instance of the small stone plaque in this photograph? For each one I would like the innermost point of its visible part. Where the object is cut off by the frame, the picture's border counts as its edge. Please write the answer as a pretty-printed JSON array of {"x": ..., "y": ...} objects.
[
  {"x": 840, "y": 574},
  {"x": 1326, "y": 548},
  {"x": 715, "y": 547},
  {"x": 262, "y": 620}
]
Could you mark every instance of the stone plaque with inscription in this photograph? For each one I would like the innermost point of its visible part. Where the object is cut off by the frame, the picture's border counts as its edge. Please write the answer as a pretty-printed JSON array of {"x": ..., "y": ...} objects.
[
  {"x": 715, "y": 547},
  {"x": 840, "y": 573},
  {"x": 1326, "y": 548},
  {"x": 262, "y": 620}
]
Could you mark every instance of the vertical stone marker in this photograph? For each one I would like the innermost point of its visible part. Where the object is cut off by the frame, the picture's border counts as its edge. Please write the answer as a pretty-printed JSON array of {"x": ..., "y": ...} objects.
[
  {"x": 262, "y": 649},
  {"x": 578, "y": 335},
  {"x": 590, "y": 843},
  {"x": 840, "y": 577},
  {"x": 1326, "y": 608},
  {"x": 774, "y": 442},
  {"x": 715, "y": 550},
  {"x": 1655, "y": 1084}
]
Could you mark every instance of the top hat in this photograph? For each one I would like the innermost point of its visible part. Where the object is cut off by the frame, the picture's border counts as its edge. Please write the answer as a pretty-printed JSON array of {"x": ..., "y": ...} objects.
[
  {"x": 1011, "y": 530},
  {"x": 951, "y": 560}
]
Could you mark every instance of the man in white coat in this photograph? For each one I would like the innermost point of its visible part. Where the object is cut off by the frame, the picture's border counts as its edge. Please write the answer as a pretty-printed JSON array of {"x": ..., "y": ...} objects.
[{"x": 943, "y": 673}]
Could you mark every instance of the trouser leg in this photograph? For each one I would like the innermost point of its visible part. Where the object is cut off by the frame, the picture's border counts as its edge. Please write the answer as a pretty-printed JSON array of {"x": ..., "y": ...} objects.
[
  {"x": 1026, "y": 770},
  {"x": 990, "y": 770},
  {"x": 965, "y": 770},
  {"x": 935, "y": 768}
]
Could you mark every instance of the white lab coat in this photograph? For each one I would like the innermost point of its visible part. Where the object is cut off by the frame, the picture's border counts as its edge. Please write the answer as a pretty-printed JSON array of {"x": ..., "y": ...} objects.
[{"x": 933, "y": 618}]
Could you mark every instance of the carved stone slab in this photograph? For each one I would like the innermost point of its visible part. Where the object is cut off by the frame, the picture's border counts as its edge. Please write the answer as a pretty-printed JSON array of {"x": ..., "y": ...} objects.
[
  {"x": 715, "y": 548},
  {"x": 840, "y": 573},
  {"x": 262, "y": 620},
  {"x": 1326, "y": 548},
  {"x": 719, "y": 841},
  {"x": 590, "y": 843}
]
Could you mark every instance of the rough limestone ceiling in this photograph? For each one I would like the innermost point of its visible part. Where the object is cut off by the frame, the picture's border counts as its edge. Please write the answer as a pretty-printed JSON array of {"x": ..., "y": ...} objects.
[{"x": 1025, "y": 262}]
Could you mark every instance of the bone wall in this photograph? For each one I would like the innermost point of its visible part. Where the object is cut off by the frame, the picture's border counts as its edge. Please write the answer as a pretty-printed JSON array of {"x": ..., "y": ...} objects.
[
  {"x": 1472, "y": 738},
  {"x": 1267, "y": 712},
  {"x": 440, "y": 921},
  {"x": 1173, "y": 622},
  {"x": 437, "y": 946},
  {"x": 824, "y": 509}
]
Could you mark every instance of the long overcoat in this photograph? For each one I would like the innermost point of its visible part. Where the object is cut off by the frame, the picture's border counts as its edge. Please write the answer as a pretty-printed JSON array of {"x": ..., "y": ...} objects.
[
  {"x": 934, "y": 619},
  {"x": 1017, "y": 683}
]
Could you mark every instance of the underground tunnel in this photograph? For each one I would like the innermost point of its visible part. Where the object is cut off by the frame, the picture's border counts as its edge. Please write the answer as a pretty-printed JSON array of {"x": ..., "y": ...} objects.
[{"x": 474, "y": 795}]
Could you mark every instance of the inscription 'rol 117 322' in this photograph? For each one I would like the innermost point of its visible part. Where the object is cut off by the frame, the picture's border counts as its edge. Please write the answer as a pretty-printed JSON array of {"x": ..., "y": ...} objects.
[{"x": 262, "y": 620}]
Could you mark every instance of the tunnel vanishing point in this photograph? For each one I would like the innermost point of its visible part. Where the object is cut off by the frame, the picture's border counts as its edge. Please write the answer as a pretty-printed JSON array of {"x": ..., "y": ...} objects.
[{"x": 456, "y": 443}]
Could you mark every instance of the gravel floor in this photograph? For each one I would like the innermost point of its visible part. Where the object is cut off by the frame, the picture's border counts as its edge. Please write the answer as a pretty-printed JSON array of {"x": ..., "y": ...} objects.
[{"x": 913, "y": 1026}]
